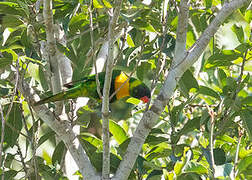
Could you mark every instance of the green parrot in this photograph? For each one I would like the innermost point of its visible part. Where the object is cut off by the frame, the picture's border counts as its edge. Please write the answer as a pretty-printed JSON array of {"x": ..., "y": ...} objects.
[{"x": 87, "y": 87}]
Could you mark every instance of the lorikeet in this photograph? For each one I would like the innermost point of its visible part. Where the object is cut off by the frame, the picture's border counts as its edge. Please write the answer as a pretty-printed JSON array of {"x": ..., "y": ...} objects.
[{"x": 87, "y": 88}]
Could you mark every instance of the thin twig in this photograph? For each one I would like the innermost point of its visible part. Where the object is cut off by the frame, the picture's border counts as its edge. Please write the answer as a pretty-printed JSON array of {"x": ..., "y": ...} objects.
[
  {"x": 212, "y": 116},
  {"x": 19, "y": 152},
  {"x": 2, "y": 134},
  {"x": 237, "y": 152},
  {"x": 34, "y": 143},
  {"x": 98, "y": 87},
  {"x": 114, "y": 16},
  {"x": 241, "y": 73}
]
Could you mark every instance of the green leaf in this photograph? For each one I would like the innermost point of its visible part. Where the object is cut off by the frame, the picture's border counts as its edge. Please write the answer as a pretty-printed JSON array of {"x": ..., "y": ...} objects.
[
  {"x": 223, "y": 58},
  {"x": 203, "y": 141},
  {"x": 10, "y": 8},
  {"x": 97, "y": 4},
  {"x": 130, "y": 41},
  {"x": 244, "y": 163},
  {"x": 247, "y": 101},
  {"x": 221, "y": 77},
  {"x": 239, "y": 32},
  {"x": 246, "y": 116},
  {"x": 58, "y": 153},
  {"x": 11, "y": 21},
  {"x": 5, "y": 61},
  {"x": 179, "y": 166},
  {"x": 47, "y": 158},
  {"x": 15, "y": 120},
  {"x": 190, "y": 126},
  {"x": 187, "y": 82},
  {"x": 168, "y": 46},
  {"x": 33, "y": 71},
  {"x": 248, "y": 15},
  {"x": 145, "y": 71},
  {"x": 154, "y": 175},
  {"x": 117, "y": 131},
  {"x": 208, "y": 92},
  {"x": 123, "y": 147},
  {"x": 88, "y": 147},
  {"x": 97, "y": 161},
  {"x": 176, "y": 113},
  {"x": 219, "y": 156},
  {"x": 132, "y": 100},
  {"x": 227, "y": 138},
  {"x": 107, "y": 4},
  {"x": 10, "y": 174},
  {"x": 159, "y": 151},
  {"x": 208, "y": 3},
  {"x": 188, "y": 176},
  {"x": 10, "y": 53},
  {"x": 143, "y": 25},
  {"x": 195, "y": 167},
  {"x": 243, "y": 47},
  {"x": 92, "y": 140},
  {"x": 77, "y": 23},
  {"x": 45, "y": 137},
  {"x": 154, "y": 140},
  {"x": 8, "y": 161}
]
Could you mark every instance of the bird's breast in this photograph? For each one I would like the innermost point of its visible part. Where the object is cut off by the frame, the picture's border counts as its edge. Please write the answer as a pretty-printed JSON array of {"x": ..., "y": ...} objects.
[{"x": 122, "y": 86}]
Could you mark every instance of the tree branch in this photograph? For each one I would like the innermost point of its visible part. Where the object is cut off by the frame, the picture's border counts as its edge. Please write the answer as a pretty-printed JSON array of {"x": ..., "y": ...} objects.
[
  {"x": 106, "y": 90},
  {"x": 64, "y": 131},
  {"x": 180, "y": 48},
  {"x": 56, "y": 82},
  {"x": 151, "y": 116}
]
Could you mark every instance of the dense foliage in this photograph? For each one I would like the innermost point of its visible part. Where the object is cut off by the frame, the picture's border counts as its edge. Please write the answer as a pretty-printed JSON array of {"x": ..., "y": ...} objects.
[{"x": 212, "y": 99}]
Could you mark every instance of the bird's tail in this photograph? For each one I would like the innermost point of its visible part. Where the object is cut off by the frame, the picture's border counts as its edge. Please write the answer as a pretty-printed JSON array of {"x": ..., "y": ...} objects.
[{"x": 57, "y": 97}]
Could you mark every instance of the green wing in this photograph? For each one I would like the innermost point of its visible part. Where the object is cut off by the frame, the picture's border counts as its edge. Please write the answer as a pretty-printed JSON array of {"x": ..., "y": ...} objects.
[{"x": 86, "y": 87}]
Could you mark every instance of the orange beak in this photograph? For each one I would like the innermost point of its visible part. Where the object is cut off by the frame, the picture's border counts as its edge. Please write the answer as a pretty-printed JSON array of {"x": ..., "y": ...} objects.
[{"x": 145, "y": 99}]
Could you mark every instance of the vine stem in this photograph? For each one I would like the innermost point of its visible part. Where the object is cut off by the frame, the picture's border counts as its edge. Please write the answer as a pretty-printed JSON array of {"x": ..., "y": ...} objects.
[{"x": 212, "y": 116}]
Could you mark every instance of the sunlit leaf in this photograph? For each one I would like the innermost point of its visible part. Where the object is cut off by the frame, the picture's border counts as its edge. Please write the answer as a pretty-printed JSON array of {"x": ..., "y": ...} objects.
[
  {"x": 208, "y": 91},
  {"x": 97, "y": 4},
  {"x": 195, "y": 167},
  {"x": 117, "y": 131},
  {"x": 133, "y": 101},
  {"x": 130, "y": 41},
  {"x": 244, "y": 163},
  {"x": 91, "y": 139},
  {"x": 107, "y": 3}
]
